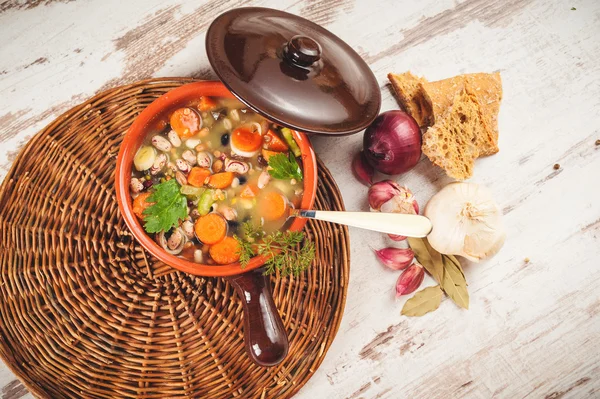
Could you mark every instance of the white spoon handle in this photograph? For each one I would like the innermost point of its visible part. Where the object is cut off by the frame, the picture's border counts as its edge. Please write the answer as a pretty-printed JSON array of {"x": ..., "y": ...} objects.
[{"x": 391, "y": 223}]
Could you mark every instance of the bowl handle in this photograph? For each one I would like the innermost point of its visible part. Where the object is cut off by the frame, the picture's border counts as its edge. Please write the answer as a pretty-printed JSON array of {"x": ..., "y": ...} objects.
[{"x": 264, "y": 334}]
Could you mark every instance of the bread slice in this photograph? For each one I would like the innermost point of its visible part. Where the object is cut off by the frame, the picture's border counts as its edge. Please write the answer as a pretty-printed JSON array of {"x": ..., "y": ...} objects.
[
  {"x": 452, "y": 143},
  {"x": 411, "y": 97},
  {"x": 487, "y": 88}
]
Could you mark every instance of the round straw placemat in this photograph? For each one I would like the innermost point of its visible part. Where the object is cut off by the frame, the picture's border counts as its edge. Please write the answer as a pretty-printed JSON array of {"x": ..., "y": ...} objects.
[{"x": 85, "y": 312}]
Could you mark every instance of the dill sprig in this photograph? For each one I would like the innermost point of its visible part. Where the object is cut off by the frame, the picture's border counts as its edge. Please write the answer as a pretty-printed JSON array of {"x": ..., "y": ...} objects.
[{"x": 287, "y": 251}]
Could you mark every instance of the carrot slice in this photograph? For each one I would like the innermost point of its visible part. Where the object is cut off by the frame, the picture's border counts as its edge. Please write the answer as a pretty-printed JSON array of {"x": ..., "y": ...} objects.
[
  {"x": 268, "y": 154},
  {"x": 211, "y": 228},
  {"x": 140, "y": 204},
  {"x": 246, "y": 139},
  {"x": 206, "y": 104},
  {"x": 198, "y": 176},
  {"x": 272, "y": 206},
  {"x": 221, "y": 180},
  {"x": 249, "y": 191},
  {"x": 226, "y": 251},
  {"x": 185, "y": 122},
  {"x": 274, "y": 143}
]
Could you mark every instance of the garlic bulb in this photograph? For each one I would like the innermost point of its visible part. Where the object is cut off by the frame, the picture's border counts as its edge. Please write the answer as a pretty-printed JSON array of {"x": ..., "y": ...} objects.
[{"x": 466, "y": 222}]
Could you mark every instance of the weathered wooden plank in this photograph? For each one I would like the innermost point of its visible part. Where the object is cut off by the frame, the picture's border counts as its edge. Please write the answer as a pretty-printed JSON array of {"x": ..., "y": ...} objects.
[{"x": 532, "y": 328}]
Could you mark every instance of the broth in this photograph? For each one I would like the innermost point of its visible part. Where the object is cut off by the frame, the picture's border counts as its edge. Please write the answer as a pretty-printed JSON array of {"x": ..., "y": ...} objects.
[{"x": 222, "y": 156}]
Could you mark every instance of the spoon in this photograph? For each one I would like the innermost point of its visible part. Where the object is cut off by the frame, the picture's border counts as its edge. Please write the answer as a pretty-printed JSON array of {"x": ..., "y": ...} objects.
[{"x": 392, "y": 223}]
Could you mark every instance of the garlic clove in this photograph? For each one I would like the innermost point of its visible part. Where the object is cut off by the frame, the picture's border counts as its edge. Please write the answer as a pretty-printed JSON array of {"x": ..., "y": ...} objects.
[
  {"x": 388, "y": 196},
  {"x": 381, "y": 192},
  {"x": 410, "y": 279},
  {"x": 362, "y": 170},
  {"x": 466, "y": 222},
  {"x": 395, "y": 258}
]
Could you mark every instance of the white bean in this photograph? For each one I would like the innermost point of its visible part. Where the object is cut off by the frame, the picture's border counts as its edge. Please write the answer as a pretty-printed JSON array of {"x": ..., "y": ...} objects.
[
  {"x": 192, "y": 143},
  {"x": 188, "y": 229},
  {"x": 263, "y": 179},
  {"x": 136, "y": 185},
  {"x": 175, "y": 240},
  {"x": 204, "y": 160},
  {"x": 174, "y": 138},
  {"x": 232, "y": 165},
  {"x": 189, "y": 156},
  {"x": 159, "y": 163},
  {"x": 183, "y": 165},
  {"x": 228, "y": 212},
  {"x": 180, "y": 177},
  {"x": 161, "y": 143}
]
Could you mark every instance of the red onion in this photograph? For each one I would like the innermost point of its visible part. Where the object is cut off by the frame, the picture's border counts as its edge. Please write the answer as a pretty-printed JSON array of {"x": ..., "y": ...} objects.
[{"x": 392, "y": 144}]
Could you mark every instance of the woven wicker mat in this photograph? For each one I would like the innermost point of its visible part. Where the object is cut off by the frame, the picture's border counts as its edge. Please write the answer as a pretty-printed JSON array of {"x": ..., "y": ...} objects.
[{"x": 85, "y": 312}]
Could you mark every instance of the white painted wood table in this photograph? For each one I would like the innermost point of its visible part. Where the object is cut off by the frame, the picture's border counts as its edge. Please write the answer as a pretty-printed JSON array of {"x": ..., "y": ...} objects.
[{"x": 533, "y": 329}]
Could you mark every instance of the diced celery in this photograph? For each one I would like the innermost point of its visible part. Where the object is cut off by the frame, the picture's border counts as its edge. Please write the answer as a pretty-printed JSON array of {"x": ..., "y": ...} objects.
[
  {"x": 206, "y": 201},
  {"x": 289, "y": 139},
  {"x": 191, "y": 191}
]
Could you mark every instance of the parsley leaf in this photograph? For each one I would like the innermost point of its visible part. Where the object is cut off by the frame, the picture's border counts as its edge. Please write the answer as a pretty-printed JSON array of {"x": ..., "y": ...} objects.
[
  {"x": 288, "y": 252},
  {"x": 284, "y": 167},
  {"x": 169, "y": 207}
]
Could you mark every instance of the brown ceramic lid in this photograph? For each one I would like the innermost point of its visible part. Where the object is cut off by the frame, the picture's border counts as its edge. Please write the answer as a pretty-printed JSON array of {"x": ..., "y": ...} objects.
[{"x": 293, "y": 71}]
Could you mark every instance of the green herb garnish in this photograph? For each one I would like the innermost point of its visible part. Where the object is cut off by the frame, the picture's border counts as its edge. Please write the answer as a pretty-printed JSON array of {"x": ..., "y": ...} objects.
[
  {"x": 169, "y": 206},
  {"x": 289, "y": 252},
  {"x": 285, "y": 167}
]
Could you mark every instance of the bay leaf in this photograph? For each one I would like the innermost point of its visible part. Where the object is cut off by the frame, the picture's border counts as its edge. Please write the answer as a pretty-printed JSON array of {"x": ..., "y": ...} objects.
[
  {"x": 455, "y": 284},
  {"x": 428, "y": 257},
  {"x": 436, "y": 257},
  {"x": 424, "y": 301},
  {"x": 454, "y": 260}
]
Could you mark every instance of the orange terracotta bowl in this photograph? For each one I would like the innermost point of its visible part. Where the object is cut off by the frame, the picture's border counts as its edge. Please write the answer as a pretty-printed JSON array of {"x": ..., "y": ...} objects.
[{"x": 143, "y": 125}]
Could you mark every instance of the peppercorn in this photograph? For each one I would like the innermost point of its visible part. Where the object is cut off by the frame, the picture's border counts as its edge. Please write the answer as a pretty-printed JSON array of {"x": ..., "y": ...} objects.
[{"x": 225, "y": 139}]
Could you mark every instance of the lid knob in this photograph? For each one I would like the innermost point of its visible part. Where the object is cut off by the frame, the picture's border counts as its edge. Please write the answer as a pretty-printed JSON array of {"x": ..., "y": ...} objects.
[{"x": 302, "y": 51}]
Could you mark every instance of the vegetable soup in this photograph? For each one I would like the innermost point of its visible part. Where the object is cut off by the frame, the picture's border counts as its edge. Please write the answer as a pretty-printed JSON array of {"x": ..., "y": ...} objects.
[{"x": 214, "y": 173}]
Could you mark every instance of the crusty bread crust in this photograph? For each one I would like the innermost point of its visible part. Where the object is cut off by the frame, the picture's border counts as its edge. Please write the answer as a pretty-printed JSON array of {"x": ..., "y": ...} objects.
[
  {"x": 460, "y": 115},
  {"x": 485, "y": 86},
  {"x": 452, "y": 142},
  {"x": 411, "y": 97}
]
